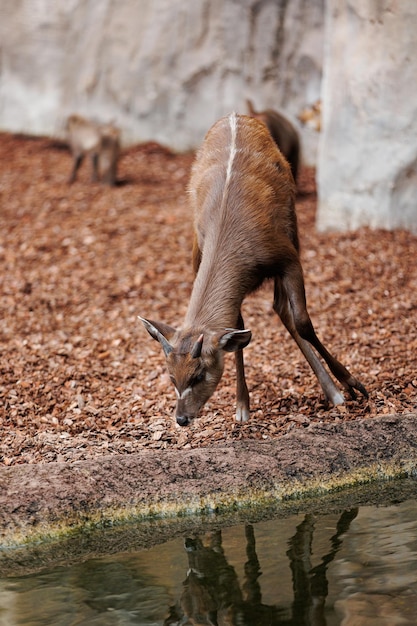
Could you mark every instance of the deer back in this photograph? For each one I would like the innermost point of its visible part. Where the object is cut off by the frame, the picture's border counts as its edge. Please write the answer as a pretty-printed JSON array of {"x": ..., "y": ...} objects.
[
  {"x": 242, "y": 193},
  {"x": 282, "y": 132}
]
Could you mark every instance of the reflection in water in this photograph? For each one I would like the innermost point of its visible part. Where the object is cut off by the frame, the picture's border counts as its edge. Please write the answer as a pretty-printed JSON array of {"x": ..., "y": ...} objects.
[
  {"x": 376, "y": 581},
  {"x": 310, "y": 584},
  {"x": 95, "y": 593},
  {"x": 358, "y": 568},
  {"x": 212, "y": 595}
]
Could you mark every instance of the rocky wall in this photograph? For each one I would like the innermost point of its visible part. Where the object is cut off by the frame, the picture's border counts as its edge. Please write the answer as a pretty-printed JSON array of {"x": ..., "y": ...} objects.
[
  {"x": 164, "y": 70},
  {"x": 367, "y": 166}
]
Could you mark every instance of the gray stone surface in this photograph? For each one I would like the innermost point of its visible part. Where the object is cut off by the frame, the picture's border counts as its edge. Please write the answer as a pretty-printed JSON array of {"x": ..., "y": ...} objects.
[
  {"x": 367, "y": 167},
  {"x": 37, "y": 501},
  {"x": 163, "y": 70}
]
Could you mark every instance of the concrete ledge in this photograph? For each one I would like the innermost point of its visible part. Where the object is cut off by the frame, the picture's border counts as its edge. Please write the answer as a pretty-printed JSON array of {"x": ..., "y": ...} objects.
[{"x": 52, "y": 501}]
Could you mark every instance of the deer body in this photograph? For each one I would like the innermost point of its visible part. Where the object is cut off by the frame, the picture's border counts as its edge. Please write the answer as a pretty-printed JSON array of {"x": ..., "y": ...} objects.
[
  {"x": 242, "y": 193},
  {"x": 282, "y": 132},
  {"x": 100, "y": 142}
]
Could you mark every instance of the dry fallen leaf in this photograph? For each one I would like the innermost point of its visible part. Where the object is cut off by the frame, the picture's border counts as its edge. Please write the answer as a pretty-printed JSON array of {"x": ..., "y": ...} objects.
[{"x": 79, "y": 374}]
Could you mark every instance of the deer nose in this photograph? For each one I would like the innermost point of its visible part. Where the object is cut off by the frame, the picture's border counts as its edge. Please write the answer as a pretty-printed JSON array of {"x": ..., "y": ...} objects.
[{"x": 182, "y": 420}]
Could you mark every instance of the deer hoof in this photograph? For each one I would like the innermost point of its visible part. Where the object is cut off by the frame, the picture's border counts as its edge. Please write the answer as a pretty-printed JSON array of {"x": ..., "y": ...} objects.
[{"x": 242, "y": 414}]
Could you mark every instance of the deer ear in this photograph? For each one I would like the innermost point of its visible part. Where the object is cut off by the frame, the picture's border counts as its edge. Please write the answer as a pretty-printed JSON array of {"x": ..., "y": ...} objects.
[
  {"x": 197, "y": 348},
  {"x": 161, "y": 332},
  {"x": 233, "y": 340}
]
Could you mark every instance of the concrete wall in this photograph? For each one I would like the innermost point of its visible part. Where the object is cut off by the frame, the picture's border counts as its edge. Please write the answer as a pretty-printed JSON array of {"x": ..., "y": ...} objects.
[
  {"x": 162, "y": 69},
  {"x": 167, "y": 69},
  {"x": 367, "y": 167}
]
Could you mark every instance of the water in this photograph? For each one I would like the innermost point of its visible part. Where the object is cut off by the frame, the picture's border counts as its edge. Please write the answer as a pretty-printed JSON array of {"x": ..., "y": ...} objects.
[{"x": 354, "y": 567}]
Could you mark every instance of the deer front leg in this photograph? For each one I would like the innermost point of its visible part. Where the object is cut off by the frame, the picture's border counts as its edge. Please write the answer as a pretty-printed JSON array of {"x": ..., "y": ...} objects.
[
  {"x": 77, "y": 160},
  {"x": 242, "y": 393}
]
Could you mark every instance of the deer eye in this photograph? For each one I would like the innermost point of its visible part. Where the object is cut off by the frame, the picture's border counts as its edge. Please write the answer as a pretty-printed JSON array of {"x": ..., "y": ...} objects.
[{"x": 198, "y": 378}]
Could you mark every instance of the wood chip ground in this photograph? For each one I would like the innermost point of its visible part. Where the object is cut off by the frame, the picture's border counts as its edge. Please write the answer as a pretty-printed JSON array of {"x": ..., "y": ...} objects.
[{"x": 79, "y": 376}]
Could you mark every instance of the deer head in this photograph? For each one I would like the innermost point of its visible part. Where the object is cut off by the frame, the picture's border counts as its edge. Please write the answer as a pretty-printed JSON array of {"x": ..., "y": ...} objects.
[{"x": 195, "y": 362}]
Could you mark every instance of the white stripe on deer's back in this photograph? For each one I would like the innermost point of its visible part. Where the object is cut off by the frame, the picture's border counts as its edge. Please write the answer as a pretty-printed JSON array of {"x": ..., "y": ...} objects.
[{"x": 233, "y": 129}]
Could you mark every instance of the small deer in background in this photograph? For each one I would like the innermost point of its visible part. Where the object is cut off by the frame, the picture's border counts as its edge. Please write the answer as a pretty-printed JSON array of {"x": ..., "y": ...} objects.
[
  {"x": 100, "y": 141},
  {"x": 310, "y": 116},
  {"x": 282, "y": 132},
  {"x": 242, "y": 193}
]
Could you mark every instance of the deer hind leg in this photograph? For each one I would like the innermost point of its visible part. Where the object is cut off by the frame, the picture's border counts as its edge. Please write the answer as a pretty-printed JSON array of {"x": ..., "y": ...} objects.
[
  {"x": 282, "y": 308},
  {"x": 94, "y": 167},
  {"x": 242, "y": 393},
  {"x": 292, "y": 291},
  {"x": 196, "y": 258}
]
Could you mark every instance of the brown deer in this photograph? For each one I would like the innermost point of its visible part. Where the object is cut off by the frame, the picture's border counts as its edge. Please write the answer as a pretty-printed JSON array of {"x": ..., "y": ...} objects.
[
  {"x": 242, "y": 193},
  {"x": 282, "y": 132},
  {"x": 213, "y": 595},
  {"x": 100, "y": 141}
]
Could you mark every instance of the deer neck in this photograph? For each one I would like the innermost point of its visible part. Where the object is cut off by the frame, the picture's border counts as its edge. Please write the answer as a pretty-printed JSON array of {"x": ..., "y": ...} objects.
[{"x": 217, "y": 294}]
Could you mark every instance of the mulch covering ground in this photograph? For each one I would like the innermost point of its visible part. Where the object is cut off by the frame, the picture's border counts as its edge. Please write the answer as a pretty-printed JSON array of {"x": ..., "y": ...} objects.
[{"x": 80, "y": 377}]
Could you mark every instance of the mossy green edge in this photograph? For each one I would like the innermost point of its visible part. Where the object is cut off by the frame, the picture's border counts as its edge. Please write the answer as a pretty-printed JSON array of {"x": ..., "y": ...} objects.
[{"x": 211, "y": 504}]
